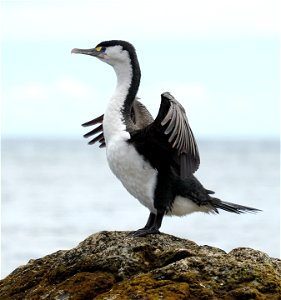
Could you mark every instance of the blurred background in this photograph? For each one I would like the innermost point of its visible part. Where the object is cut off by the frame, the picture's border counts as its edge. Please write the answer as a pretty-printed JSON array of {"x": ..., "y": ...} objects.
[{"x": 220, "y": 59}]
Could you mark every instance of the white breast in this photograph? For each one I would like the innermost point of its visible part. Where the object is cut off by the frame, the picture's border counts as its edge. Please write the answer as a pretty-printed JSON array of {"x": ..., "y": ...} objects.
[{"x": 137, "y": 176}]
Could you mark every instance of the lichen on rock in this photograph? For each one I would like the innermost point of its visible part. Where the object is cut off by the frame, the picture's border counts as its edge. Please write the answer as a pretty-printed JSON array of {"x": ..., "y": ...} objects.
[{"x": 115, "y": 265}]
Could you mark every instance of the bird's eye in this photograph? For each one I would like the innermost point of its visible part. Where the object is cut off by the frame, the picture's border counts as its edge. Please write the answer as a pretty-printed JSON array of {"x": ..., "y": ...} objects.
[{"x": 100, "y": 49}]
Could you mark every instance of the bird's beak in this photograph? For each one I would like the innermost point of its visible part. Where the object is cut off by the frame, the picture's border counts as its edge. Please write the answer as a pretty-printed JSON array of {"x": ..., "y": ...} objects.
[{"x": 92, "y": 52}]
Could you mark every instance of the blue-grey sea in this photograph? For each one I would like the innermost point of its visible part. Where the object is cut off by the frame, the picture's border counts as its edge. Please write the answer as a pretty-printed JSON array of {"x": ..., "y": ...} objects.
[{"x": 55, "y": 193}]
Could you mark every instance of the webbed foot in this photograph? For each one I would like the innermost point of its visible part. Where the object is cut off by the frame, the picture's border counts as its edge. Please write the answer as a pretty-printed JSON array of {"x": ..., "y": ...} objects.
[
  {"x": 152, "y": 226},
  {"x": 144, "y": 232}
]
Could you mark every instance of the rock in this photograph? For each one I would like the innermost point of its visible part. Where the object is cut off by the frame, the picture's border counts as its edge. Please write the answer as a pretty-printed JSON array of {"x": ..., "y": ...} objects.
[{"x": 113, "y": 265}]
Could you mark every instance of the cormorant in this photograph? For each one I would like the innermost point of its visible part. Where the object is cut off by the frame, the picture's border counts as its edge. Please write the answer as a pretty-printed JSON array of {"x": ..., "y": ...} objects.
[{"x": 154, "y": 159}]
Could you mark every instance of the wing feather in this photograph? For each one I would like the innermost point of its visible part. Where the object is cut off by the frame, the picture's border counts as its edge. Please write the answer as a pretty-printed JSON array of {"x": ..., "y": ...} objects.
[
  {"x": 171, "y": 136},
  {"x": 94, "y": 131},
  {"x": 179, "y": 131},
  {"x": 99, "y": 138},
  {"x": 178, "y": 128}
]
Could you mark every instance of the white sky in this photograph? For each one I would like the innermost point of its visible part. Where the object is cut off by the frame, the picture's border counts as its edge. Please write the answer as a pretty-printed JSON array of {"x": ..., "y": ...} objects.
[
  {"x": 219, "y": 58},
  {"x": 66, "y": 19}
]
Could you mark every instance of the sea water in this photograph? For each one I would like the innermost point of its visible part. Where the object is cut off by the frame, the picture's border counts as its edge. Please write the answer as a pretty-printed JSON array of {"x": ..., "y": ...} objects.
[{"x": 55, "y": 193}]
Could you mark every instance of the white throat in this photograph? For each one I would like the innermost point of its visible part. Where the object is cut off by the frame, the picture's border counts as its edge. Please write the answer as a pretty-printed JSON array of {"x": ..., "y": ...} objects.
[{"x": 113, "y": 122}]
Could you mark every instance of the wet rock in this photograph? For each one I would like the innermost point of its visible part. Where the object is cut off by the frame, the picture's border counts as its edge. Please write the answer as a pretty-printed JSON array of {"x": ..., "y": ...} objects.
[{"x": 114, "y": 265}]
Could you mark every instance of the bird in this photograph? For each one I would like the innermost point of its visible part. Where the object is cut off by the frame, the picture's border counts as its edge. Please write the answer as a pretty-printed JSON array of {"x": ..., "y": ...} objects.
[{"x": 155, "y": 159}]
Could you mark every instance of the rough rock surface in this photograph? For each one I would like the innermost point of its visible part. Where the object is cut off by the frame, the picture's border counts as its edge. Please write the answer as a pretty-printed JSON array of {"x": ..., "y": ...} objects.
[{"x": 113, "y": 265}]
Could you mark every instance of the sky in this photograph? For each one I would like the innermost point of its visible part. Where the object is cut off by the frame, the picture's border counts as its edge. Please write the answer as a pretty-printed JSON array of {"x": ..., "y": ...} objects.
[{"x": 219, "y": 58}]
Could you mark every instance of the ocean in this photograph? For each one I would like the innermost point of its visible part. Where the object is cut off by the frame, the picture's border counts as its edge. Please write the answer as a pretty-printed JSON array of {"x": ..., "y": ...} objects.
[{"x": 55, "y": 193}]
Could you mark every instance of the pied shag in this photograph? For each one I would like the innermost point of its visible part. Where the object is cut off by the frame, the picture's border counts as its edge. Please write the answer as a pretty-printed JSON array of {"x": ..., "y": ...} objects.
[{"x": 154, "y": 159}]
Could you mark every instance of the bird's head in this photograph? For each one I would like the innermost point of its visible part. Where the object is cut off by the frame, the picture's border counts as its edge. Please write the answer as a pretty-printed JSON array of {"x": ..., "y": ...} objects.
[{"x": 113, "y": 52}]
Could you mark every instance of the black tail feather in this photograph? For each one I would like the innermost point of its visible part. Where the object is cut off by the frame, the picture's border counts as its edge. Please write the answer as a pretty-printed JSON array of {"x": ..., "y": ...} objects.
[{"x": 232, "y": 207}]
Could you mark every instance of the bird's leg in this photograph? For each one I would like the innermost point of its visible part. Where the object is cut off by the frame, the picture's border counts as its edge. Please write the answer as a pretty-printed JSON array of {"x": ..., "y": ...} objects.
[
  {"x": 150, "y": 221},
  {"x": 148, "y": 224},
  {"x": 152, "y": 226},
  {"x": 158, "y": 221}
]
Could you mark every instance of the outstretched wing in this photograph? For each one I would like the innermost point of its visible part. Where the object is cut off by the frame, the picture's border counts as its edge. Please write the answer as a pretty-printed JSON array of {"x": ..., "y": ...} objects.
[
  {"x": 140, "y": 118},
  {"x": 169, "y": 141}
]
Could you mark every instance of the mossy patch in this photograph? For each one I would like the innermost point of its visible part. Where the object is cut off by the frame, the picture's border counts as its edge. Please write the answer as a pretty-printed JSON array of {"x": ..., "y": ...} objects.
[{"x": 146, "y": 287}]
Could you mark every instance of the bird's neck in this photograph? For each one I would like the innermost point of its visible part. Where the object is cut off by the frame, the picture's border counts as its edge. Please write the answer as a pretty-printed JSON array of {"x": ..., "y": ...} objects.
[
  {"x": 128, "y": 80},
  {"x": 118, "y": 112}
]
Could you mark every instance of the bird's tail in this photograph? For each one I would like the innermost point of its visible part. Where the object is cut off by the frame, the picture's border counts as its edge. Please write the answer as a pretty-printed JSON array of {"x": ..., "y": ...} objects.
[{"x": 232, "y": 207}]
